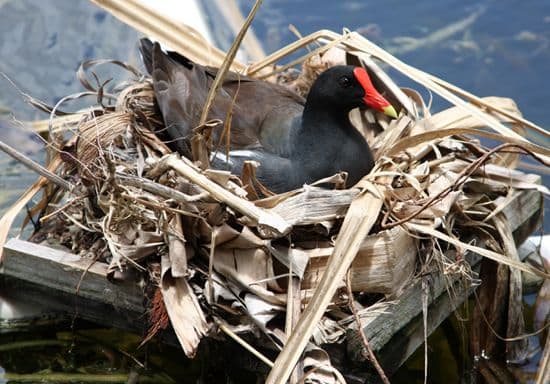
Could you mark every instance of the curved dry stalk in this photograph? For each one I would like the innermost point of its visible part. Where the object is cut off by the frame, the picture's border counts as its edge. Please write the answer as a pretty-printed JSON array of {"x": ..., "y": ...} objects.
[
  {"x": 483, "y": 104},
  {"x": 227, "y": 61},
  {"x": 259, "y": 215},
  {"x": 317, "y": 51},
  {"x": 412, "y": 141}
]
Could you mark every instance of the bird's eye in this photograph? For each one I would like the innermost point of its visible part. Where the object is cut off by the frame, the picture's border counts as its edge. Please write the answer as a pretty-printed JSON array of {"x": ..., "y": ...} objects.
[{"x": 344, "y": 81}]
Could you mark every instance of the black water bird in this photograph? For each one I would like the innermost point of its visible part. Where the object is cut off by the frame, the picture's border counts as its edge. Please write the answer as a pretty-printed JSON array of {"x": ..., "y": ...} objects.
[{"x": 296, "y": 141}]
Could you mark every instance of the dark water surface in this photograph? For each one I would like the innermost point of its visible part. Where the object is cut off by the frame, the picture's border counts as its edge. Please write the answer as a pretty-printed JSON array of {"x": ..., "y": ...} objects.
[
  {"x": 503, "y": 51},
  {"x": 499, "y": 48}
]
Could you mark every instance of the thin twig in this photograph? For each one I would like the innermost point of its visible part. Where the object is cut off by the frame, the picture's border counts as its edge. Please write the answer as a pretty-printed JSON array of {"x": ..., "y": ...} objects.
[
  {"x": 159, "y": 189},
  {"x": 62, "y": 208},
  {"x": 370, "y": 353},
  {"x": 244, "y": 344},
  {"x": 34, "y": 166}
]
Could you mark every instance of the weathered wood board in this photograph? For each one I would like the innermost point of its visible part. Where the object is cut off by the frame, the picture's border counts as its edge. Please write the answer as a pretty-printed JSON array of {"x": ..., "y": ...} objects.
[
  {"x": 69, "y": 285},
  {"x": 55, "y": 307},
  {"x": 69, "y": 273}
]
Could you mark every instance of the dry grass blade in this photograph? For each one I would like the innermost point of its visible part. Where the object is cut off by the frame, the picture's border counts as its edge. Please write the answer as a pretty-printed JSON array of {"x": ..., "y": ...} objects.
[
  {"x": 7, "y": 220},
  {"x": 287, "y": 50},
  {"x": 389, "y": 137},
  {"x": 227, "y": 61},
  {"x": 484, "y": 104},
  {"x": 309, "y": 55},
  {"x": 421, "y": 138},
  {"x": 455, "y": 117},
  {"x": 230, "y": 9}
]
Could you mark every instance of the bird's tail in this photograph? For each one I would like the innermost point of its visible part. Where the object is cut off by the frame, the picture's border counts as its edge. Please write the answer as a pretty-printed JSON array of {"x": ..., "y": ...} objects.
[
  {"x": 152, "y": 51},
  {"x": 146, "y": 49},
  {"x": 180, "y": 91}
]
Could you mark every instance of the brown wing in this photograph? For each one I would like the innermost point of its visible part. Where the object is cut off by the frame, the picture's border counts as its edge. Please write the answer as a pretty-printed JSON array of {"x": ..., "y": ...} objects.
[{"x": 262, "y": 112}]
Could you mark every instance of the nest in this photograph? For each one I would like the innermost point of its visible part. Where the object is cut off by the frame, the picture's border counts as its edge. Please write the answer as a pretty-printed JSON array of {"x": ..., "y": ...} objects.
[{"x": 224, "y": 259}]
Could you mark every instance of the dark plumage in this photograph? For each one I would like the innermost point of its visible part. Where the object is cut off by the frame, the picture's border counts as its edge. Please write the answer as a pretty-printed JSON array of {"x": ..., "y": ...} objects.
[{"x": 295, "y": 142}]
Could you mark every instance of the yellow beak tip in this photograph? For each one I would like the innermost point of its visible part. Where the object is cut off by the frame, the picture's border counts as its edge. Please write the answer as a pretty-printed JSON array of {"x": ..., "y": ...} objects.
[{"x": 390, "y": 111}]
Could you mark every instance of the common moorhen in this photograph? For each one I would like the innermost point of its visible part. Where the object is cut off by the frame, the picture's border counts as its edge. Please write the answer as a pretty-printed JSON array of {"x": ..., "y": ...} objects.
[{"x": 295, "y": 141}]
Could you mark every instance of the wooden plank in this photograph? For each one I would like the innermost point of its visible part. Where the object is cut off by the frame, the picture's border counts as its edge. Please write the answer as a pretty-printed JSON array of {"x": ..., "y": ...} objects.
[
  {"x": 409, "y": 338},
  {"x": 524, "y": 212},
  {"x": 58, "y": 307},
  {"x": 66, "y": 272}
]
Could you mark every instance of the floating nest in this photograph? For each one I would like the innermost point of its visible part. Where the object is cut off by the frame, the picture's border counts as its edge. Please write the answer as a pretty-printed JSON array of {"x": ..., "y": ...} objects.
[{"x": 219, "y": 254}]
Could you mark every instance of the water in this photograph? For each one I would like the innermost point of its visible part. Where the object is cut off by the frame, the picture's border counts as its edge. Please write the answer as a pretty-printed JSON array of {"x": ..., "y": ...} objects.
[
  {"x": 504, "y": 52},
  {"x": 42, "y": 45},
  {"x": 486, "y": 47}
]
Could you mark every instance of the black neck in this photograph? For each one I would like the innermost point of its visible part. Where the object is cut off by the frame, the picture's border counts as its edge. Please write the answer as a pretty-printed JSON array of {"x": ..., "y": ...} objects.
[
  {"x": 323, "y": 120},
  {"x": 327, "y": 133}
]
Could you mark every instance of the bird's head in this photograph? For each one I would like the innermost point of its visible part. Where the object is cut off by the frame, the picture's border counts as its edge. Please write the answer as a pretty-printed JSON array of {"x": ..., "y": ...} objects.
[{"x": 349, "y": 87}]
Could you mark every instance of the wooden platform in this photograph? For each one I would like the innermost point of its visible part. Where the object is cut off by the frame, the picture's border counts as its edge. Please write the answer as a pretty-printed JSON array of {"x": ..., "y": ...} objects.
[{"x": 75, "y": 286}]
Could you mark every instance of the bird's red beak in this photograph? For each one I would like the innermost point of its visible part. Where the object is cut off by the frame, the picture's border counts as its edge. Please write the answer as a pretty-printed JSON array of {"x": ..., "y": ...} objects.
[{"x": 373, "y": 98}]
